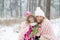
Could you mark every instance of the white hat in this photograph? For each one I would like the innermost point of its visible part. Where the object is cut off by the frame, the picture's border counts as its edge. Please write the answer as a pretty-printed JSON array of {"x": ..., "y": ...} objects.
[{"x": 39, "y": 12}]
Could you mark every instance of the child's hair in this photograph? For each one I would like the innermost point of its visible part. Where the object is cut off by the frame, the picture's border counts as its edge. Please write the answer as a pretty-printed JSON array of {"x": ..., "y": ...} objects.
[{"x": 29, "y": 17}]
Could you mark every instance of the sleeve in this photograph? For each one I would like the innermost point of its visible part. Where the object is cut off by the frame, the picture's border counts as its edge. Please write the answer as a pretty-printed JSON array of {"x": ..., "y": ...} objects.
[
  {"x": 21, "y": 36},
  {"x": 48, "y": 31},
  {"x": 23, "y": 30}
]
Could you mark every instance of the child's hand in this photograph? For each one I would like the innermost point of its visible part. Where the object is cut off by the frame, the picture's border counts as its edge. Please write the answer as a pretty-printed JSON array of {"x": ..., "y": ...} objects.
[{"x": 39, "y": 32}]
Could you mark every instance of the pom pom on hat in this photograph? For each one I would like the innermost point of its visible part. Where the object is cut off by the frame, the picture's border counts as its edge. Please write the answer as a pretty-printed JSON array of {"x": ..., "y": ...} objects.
[
  {"x": 27, "y": 13},
  {"x": 39, "y": 12}
]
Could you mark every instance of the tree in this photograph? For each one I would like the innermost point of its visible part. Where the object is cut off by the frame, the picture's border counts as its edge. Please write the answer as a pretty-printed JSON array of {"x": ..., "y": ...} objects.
[{"x": 48, "y": 2}]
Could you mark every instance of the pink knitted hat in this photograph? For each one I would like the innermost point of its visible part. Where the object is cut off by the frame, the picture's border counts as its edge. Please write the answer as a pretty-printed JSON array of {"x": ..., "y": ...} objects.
[{"x": 27, "y": 13}]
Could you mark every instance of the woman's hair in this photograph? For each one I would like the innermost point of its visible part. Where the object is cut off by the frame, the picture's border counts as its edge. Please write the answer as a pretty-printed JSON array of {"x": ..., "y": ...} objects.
[{"x": 29, "y": 17}]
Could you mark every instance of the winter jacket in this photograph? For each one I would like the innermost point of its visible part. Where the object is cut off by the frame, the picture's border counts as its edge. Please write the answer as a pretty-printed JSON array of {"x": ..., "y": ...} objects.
[
  {"x": 24, "y": 28},
  {"x": 47, "y": 31}
]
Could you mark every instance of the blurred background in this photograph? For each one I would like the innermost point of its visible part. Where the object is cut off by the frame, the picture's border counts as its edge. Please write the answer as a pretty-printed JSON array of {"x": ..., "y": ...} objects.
[
  {"x": 12, "y": 13},
  {"x": 17, "y": 8}
]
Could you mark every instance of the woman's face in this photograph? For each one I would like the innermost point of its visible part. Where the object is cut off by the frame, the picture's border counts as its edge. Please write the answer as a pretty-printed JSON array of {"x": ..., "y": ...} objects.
[
  {"x": 31, "y": 19},
  {"x": 39, "y": 18}
]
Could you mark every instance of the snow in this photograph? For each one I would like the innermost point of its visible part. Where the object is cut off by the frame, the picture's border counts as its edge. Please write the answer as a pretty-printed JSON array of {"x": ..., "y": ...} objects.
[
  {"x": 10, "y": 32},
  {"x": 56, "y": 27}
]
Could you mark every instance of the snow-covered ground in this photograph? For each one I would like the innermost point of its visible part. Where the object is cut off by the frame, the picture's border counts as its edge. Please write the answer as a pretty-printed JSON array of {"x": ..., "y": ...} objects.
[
  {"x": 56, "y": 24},
  {"x": 10, "y": 32},
  {"x": 56, "y": 27}
]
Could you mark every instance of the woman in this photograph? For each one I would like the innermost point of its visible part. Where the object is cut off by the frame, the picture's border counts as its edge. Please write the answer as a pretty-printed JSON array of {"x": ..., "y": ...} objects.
[
  {"x": 46, "y": 26},
  {"x": 27, "y": 28}
]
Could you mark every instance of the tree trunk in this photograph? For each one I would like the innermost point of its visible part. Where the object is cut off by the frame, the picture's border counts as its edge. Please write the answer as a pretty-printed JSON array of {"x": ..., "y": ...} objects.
[{"x": 48, "y": 8}]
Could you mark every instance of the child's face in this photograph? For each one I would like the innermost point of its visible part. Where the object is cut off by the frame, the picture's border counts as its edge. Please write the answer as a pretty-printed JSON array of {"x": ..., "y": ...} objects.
[{"x": 31, "y": 19}]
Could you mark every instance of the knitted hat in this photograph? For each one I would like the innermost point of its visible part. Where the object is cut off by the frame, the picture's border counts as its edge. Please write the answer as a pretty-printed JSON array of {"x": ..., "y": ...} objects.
[
  {"x": 39, "y": 12},
  {"x": 27, "y": 13}
]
